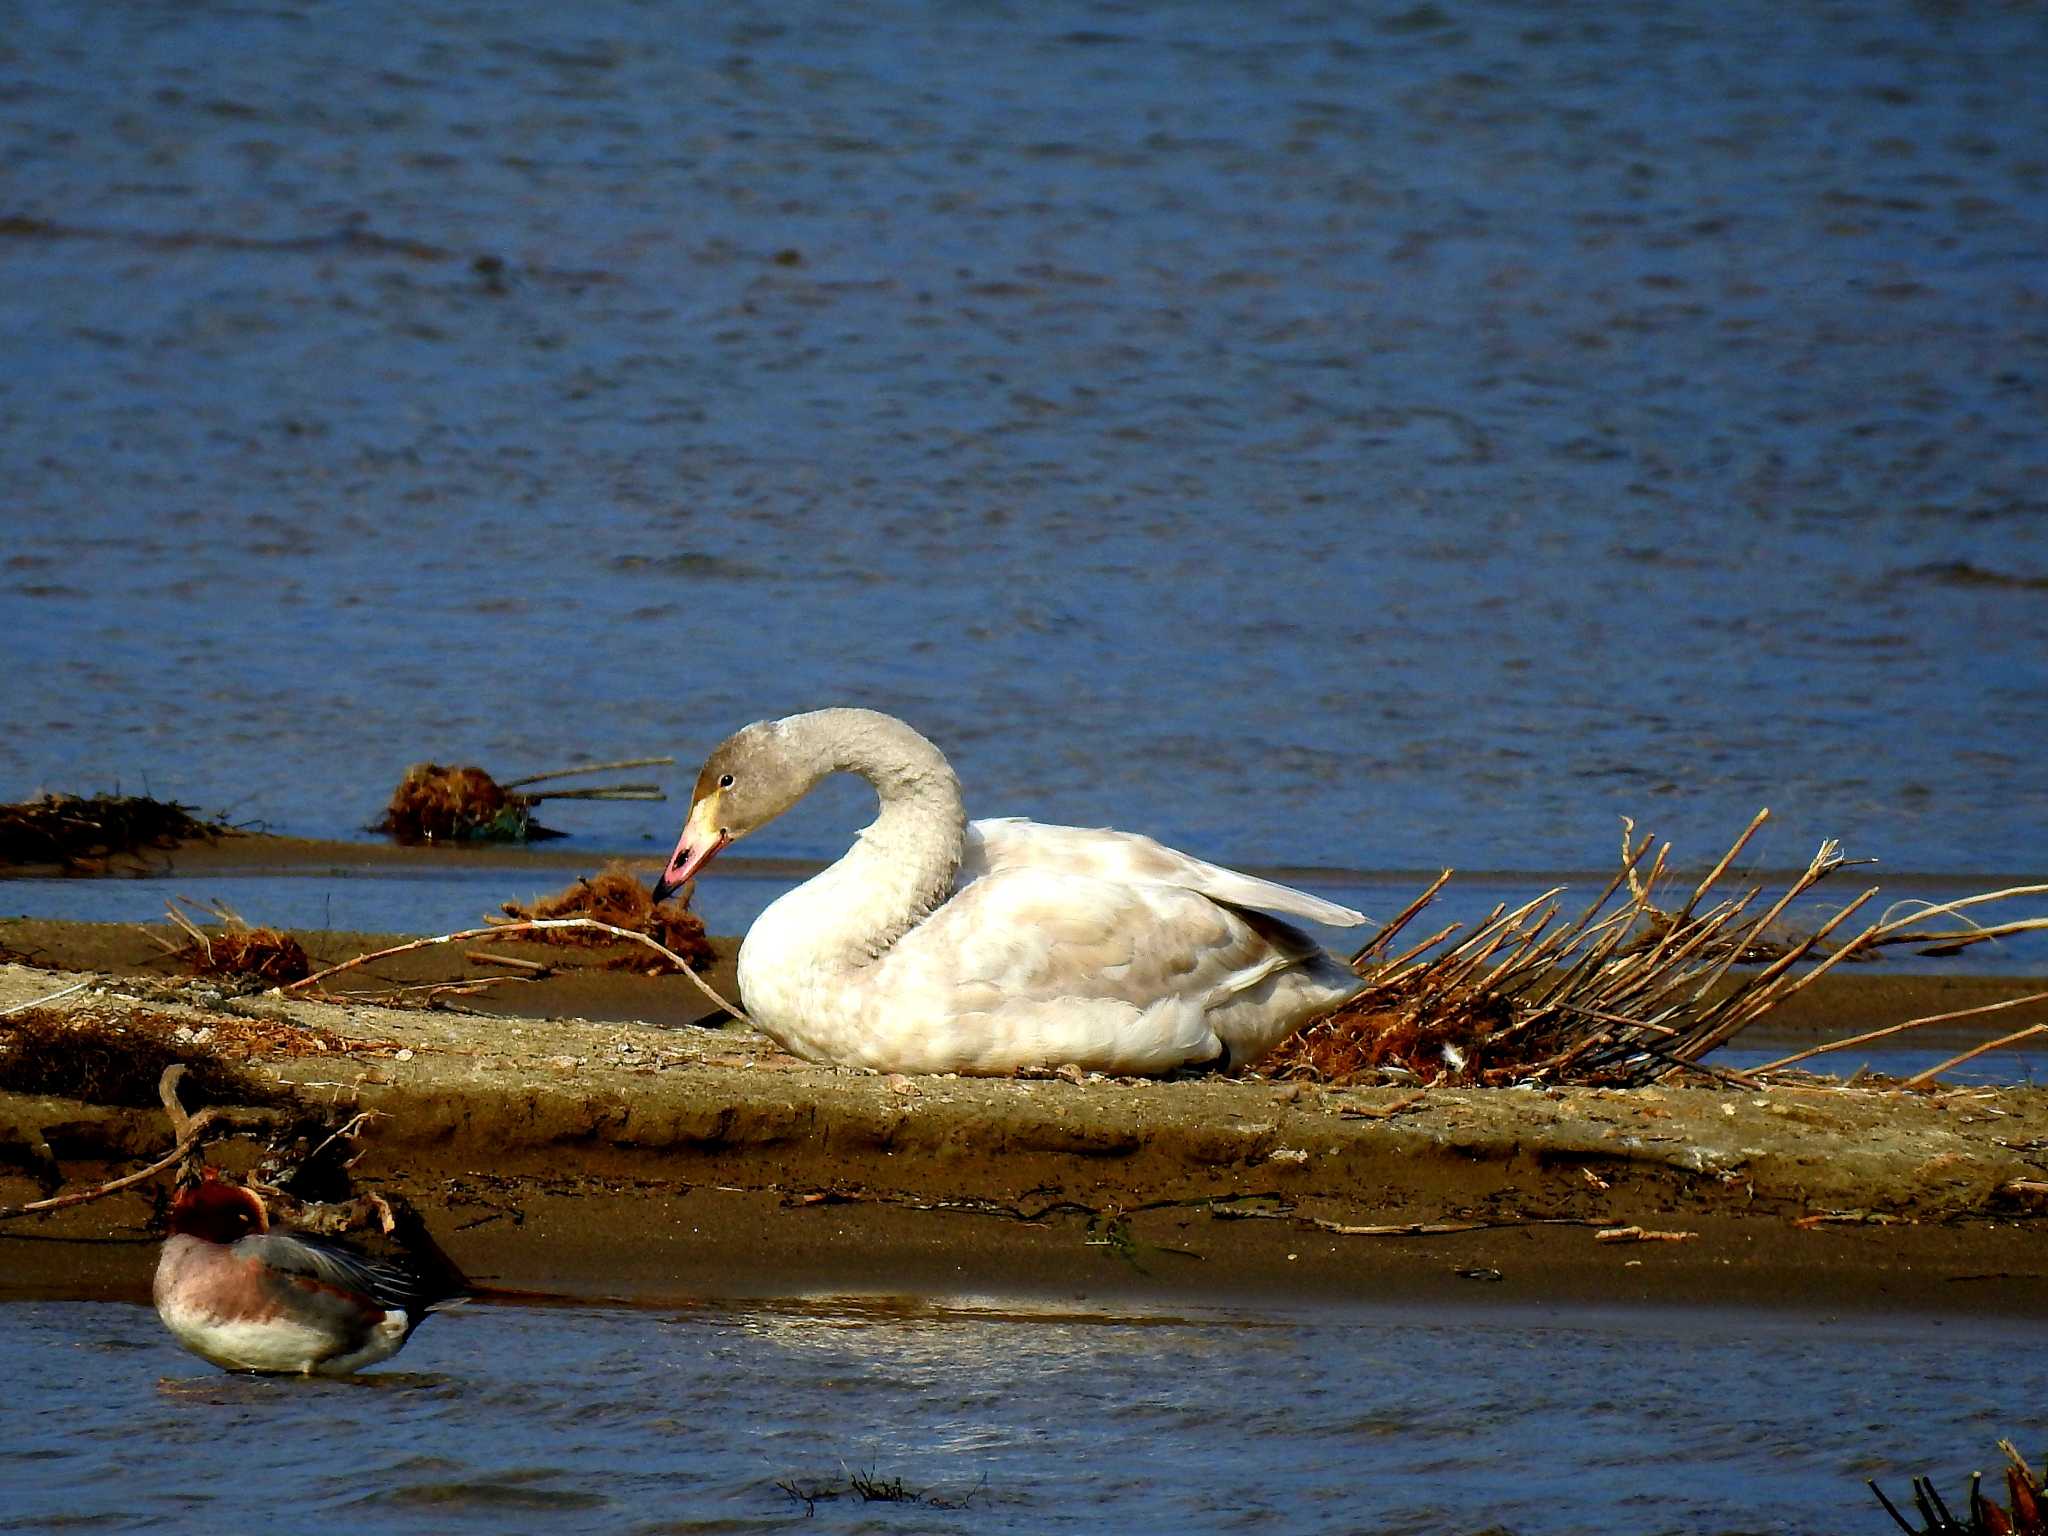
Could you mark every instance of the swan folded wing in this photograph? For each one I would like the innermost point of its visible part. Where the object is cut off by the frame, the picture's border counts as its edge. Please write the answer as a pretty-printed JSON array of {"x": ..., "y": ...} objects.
[
  {"x": 1130, "y": 858},
  {"x": 1032, "y": 967}
]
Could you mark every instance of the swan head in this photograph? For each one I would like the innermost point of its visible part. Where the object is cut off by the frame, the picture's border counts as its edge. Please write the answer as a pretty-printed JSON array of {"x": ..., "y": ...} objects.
[{"x": 749, "y": 779}]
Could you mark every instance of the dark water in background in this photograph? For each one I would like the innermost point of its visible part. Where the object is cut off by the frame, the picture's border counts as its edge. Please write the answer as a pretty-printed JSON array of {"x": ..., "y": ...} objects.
[
  {"x": 1362, "y": 438},
  {"x": 1452, "y": 1420}
]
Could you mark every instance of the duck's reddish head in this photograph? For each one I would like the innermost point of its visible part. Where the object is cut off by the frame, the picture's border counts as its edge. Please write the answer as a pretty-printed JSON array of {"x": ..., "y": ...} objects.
[{"x": 217, "y": 1211}]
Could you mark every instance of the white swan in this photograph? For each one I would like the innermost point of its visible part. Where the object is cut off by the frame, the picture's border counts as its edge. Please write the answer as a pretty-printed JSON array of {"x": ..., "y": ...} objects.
[{"x": 943, "y": 945}]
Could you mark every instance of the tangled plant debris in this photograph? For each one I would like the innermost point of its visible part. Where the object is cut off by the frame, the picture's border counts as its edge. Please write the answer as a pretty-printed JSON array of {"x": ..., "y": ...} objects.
[
  {"x": 2023, "y": 1515},
  {"x": 250, "y": 959},
  {"x": 116, "y": 1056},
  {"x": 114, "y": 1051},
  {"x": 73, "y": 830},
  {"x": 1633, "y": 987},
  {"x": 437, "y": 804},
  {"x": 463, "y": 804},
  {"x": 872, "y": 1489},
  {"x": 616, "y": 897}
]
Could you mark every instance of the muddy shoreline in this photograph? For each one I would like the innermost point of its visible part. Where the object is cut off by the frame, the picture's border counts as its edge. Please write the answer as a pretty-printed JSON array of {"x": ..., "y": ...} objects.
[{"x": 624, "y": 1152}]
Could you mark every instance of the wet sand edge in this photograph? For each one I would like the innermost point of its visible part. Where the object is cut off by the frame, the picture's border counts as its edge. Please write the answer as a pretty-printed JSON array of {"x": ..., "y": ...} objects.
[{"x": 621, "y": 1160}]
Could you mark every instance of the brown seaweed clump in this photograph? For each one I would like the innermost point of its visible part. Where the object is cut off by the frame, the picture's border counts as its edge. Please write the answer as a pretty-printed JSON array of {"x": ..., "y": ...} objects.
[
  {"x": 255, "y": 958},
  {"x": 69, "y": 830},
  {"x": 1404, "y": 1029},
  {"x": 115, "y": 1059},
  {"x": 466, "y": 805},
  {"x": 117, "y": 1053},
  {"x": 2027, "y": 1516},
  {"x": 615, "y": 896},
  {"x": 462, "y": 804}
]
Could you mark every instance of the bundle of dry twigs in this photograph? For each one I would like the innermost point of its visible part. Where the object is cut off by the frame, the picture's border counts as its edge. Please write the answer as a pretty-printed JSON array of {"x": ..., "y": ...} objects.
[
  {"x": 616, "y": 898},
  {"x": 254, "y": 957},
  {"x": 1628, "y": 990},
  {"x": 66, "y": 829}
]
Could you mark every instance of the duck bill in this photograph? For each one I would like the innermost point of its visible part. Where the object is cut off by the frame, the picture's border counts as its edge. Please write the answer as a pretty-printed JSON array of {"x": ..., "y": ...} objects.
[{"x": 701, "y": 840}]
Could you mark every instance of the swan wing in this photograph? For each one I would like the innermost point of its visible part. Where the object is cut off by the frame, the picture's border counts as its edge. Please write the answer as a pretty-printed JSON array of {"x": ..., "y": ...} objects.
[
  {"x": 1006, "y": 843},
  {"x": 1029, "y": 966}
]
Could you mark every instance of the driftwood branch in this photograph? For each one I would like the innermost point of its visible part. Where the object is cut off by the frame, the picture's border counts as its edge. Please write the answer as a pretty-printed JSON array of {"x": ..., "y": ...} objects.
[
  {"x": 570, "y": 773},
  {"x": 189, "y": 1129},
  {"x": 604, "y": 792},
  {"x": 509, "y": 930}
]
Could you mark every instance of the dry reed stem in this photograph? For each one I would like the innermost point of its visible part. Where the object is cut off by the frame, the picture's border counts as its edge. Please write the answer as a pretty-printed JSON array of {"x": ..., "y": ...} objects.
[
  {"x": 1896, "y": 925},
  {"x": 1727, "y": 858},
  {"x": 1722, "y": 1021},
  {"x": 507, "y": 930},
  {"x": 237, "y": 953},
  {"x": 37, "y": 1002},
  {"x": 1379, "y": 940},
  {"x": 348, "y": 1133},
  {"x": 1384, "y": 1111},
  {"x": 602, "y": 792},
  {"x": 513, "y": 962},
  {"x": 1771, "y": 993},
  {"x": 1620, "y": 993},
  {"x": 1427, "y": 944},
  {"x": 570, "y": 773},
  {"x": 1922, "y": 1079},
  {"x": 419, "y": 992},
  {"x": 1894, "y": 1029},
  {"x": 1403, "y": 1228}
]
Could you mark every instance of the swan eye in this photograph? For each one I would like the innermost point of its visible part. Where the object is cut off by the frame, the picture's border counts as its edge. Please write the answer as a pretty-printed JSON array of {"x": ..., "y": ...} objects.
[{"x": 725, "y": 781}]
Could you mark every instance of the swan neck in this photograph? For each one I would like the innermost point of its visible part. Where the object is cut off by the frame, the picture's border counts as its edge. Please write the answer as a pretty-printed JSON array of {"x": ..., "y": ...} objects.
[{"x": 904, "y": 863}]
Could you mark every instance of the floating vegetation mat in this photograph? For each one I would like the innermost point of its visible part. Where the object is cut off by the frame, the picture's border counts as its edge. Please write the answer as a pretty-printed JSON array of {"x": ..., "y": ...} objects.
[
  {"x": 615, "y": 896},
  {"x": 69, "y": 830},
  {"x": 436, "y": 804},
  {"x": 464, "y": 804},
  {"x": 1642, "y": 981}
]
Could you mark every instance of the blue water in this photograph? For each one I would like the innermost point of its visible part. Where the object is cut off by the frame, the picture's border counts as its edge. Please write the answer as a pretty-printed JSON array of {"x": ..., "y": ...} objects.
[
  {"x": 1452, "y": 1419},
  {"x": 1365, "y": 439},
  {"x": 1375, "y": 439}
]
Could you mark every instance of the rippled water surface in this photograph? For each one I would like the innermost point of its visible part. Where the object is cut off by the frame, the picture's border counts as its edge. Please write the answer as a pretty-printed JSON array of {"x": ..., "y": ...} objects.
[
  {"x": 1376, "y": 438},
  {"x": 563, "y": 1419},
  {"x": 1365, "y": 438}
]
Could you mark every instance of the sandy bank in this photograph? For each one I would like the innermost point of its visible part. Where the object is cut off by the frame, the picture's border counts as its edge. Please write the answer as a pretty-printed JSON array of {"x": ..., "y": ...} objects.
[{"x": 589, "y": 1158}]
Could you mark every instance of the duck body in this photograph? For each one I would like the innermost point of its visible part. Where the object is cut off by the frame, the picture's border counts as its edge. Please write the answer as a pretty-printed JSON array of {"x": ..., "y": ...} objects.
[
  {"x": 249, "y": 1299},
  {"x": 943, "y": 945}
]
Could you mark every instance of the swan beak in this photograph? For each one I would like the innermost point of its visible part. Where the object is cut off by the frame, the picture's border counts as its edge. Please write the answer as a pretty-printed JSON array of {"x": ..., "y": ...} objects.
[{"x": 702, "y": 838}]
